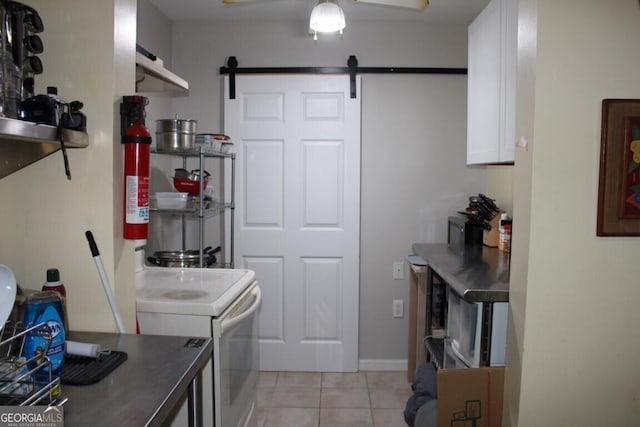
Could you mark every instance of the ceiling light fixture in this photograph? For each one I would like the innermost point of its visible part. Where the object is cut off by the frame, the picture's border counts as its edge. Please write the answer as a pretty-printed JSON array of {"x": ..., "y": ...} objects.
[{"x": 326, "y": 17}]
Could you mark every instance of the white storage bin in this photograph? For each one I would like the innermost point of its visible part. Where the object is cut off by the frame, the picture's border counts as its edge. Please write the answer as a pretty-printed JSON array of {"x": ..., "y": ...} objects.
[{"x": 170, "y": 200}]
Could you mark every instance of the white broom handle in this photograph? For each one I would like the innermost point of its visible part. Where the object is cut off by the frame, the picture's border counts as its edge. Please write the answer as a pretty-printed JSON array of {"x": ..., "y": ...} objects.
[{"x": 105, "y": 282}]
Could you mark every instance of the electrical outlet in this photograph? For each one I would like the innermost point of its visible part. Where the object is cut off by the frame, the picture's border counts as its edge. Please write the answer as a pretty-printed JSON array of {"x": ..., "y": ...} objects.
[
  {"x": 398, "y": 308},
  {"x": 398, "y": 270}
]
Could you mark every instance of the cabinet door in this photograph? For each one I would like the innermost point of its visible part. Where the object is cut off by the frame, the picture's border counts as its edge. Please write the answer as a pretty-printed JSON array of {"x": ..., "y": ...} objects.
[
  {"x": 484, "y": 77},
  {"x": 509, "y": 73}
]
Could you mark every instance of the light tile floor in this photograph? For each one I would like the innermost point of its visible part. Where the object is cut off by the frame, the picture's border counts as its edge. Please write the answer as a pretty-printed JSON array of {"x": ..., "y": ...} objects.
[{"x": 329, "y": 399}]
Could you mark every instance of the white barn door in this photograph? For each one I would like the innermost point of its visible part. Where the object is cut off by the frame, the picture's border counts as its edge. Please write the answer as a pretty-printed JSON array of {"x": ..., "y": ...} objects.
[{"x": 297, "y": 142}]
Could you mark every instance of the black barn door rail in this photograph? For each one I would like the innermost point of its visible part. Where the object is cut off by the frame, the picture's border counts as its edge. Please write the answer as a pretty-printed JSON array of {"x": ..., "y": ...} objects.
[{"x": 352, "y": 69}]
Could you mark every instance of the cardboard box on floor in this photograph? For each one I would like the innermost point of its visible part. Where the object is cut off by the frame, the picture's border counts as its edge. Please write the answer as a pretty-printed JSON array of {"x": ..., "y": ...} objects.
[{"x": 470, "y": 397}]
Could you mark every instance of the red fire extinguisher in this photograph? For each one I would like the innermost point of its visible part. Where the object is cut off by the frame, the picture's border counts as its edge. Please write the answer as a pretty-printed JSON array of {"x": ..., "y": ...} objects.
[{"x": 137, "y": 142}]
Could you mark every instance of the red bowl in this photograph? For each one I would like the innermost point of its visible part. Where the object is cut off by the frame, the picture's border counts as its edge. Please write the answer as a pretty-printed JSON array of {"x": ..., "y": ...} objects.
[{"x": 191, "y": 186}]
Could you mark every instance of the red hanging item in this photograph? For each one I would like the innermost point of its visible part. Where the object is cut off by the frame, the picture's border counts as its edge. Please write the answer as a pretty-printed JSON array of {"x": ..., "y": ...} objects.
[{"x": 137, "y": 143}]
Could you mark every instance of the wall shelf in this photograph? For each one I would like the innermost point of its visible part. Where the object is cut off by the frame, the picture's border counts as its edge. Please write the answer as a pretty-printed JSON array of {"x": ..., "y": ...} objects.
[
  {"x": 23, "y": 143},
  {"x": 193, "y": 209},
  {"x": 152, "y": 76}
]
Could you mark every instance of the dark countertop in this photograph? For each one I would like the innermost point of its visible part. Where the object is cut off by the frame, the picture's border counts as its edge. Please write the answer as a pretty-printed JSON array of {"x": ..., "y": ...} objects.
[
  {"x": 478, "y": 273},
  {"x": 144, "y": 389}
]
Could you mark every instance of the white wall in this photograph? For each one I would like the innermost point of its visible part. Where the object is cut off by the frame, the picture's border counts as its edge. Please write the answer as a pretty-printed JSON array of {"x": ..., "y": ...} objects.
[
  {"x": 44, "y": 216},
  {"x": 573, "y": 347},
  {"x": 411, "y": 182},
  {"x": 500, "y": 186},
  {"x": 413, "y": 138},
  {"x": 153, "y": 31}
]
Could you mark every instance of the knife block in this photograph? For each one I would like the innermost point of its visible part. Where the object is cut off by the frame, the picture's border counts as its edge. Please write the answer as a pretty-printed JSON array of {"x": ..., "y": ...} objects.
[{"x": 491, "y": 237}]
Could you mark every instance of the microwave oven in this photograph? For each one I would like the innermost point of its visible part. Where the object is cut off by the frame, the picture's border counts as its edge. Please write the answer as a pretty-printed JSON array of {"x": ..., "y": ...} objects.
[
  {"x": 462, "y": 232},
  {"x": 464, "y": 327}
]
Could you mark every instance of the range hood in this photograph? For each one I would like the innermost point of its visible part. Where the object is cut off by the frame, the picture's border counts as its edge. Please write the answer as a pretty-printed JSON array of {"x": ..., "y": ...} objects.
[{"x": 152, "y": 76}]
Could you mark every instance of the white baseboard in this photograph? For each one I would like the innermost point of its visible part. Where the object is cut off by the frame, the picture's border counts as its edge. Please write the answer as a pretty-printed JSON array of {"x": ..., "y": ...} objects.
[{"x": 382, "y": 364}]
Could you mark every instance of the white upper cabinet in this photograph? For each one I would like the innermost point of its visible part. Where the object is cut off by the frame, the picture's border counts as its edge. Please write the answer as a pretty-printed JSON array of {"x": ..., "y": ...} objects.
[{"x": 491, "y": 88}]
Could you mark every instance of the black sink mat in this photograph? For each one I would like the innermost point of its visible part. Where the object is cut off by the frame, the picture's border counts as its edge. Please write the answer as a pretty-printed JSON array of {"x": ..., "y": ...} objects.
[{"x": 80, "y": 370}]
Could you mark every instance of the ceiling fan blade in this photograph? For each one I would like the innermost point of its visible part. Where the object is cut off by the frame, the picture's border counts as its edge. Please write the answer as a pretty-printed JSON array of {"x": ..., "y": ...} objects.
[
  {"x": 411, "y": 4},
  {"x": 239, "y": 1}
]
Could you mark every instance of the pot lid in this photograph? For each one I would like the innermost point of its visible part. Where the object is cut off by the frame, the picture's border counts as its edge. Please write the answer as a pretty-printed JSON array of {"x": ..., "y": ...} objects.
[{"x": 179, "y": 255}]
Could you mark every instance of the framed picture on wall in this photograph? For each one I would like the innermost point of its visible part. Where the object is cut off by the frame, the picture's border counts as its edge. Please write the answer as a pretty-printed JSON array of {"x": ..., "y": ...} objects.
[{"x": 619, "y": 186}]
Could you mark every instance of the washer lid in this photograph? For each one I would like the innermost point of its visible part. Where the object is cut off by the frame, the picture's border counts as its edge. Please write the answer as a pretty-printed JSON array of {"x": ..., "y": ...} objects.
[{"x": 195, "y": 291}]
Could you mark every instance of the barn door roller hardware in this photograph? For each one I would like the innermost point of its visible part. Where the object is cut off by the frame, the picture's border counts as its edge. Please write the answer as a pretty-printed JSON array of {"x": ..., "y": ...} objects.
[{"x": 352, "y": 69}]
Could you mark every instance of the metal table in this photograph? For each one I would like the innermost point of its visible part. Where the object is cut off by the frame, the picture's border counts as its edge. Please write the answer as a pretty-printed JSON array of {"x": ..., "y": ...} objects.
[
  {"x": 478, "y": 274},
  {"x": 146, "y": 388}
]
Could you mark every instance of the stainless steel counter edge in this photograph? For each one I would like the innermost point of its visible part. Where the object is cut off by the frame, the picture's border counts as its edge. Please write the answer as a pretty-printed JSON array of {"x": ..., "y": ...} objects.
[
  {"x": 142, "y": 391},
  {"x": 478, "y": 274}
]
